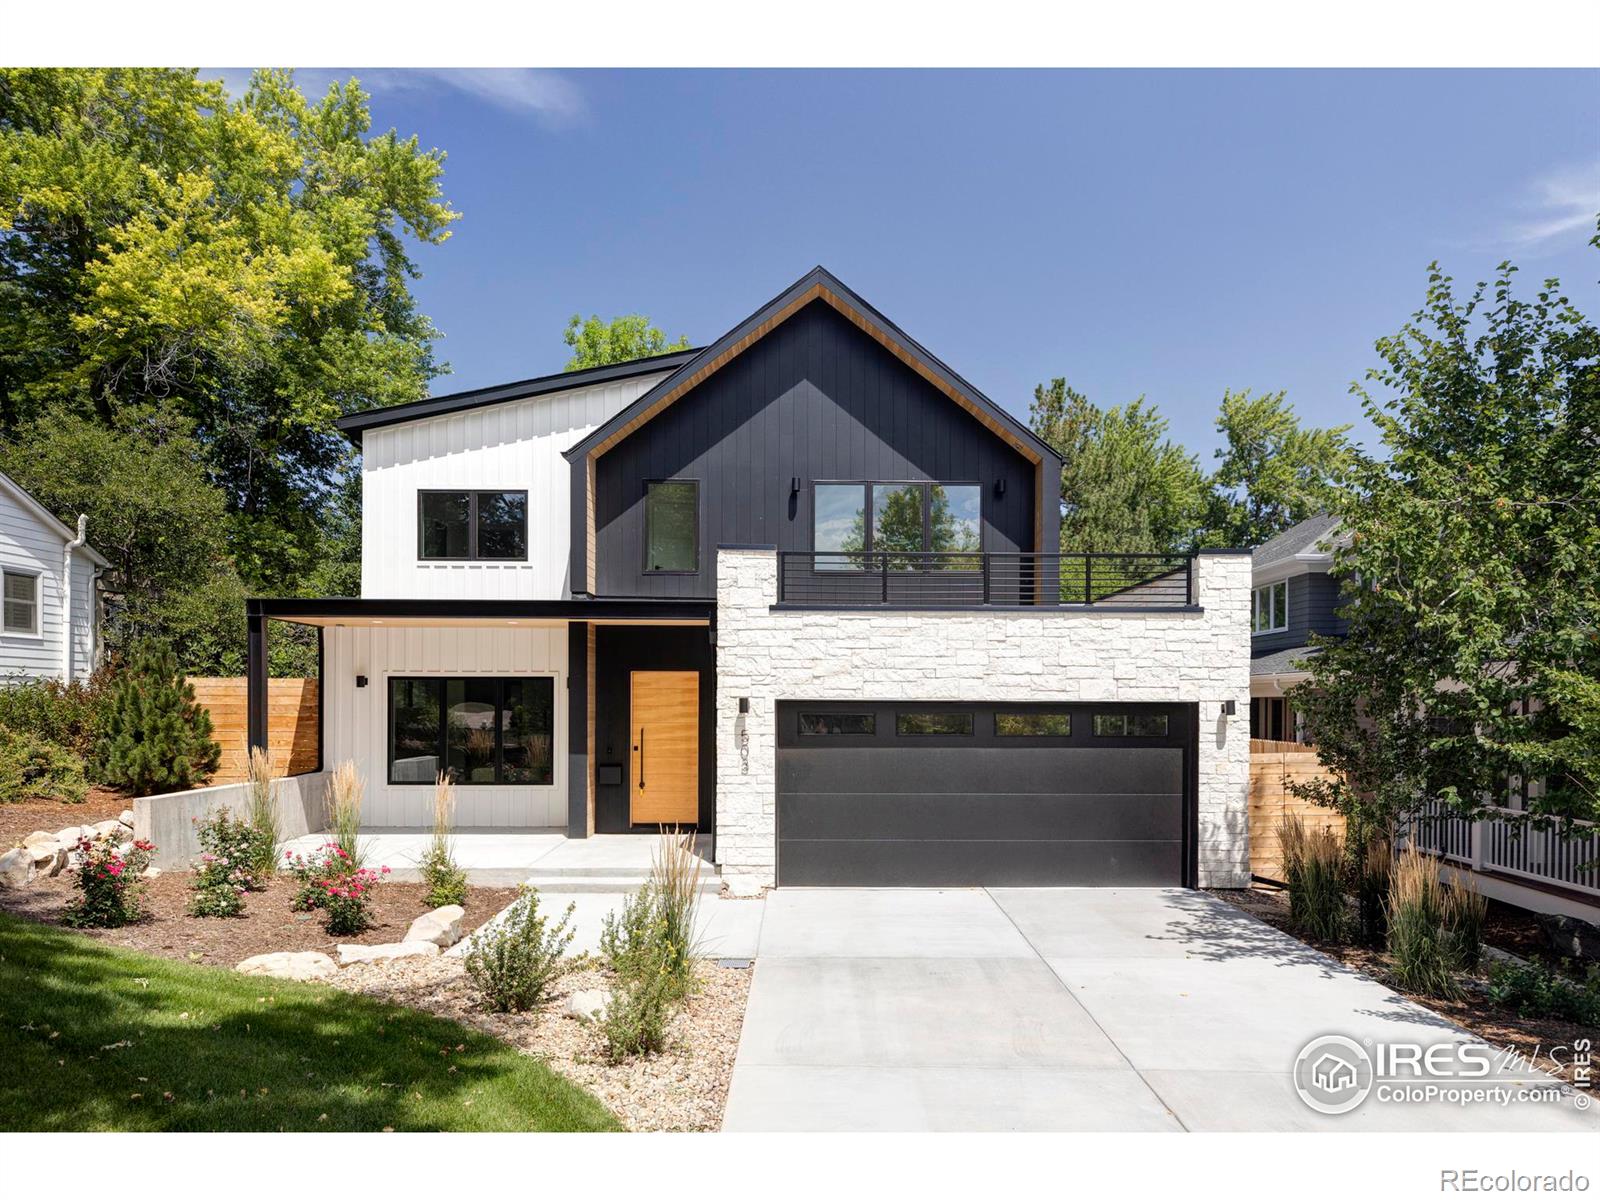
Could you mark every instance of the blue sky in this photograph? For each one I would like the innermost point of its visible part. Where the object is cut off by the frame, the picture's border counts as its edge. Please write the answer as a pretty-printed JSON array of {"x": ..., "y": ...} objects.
[{"x": 1166, "y": 234}]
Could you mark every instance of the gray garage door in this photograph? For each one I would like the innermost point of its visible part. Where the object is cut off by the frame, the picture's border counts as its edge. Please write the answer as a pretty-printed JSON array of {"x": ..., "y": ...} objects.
[{"x": 965, "y": 795}]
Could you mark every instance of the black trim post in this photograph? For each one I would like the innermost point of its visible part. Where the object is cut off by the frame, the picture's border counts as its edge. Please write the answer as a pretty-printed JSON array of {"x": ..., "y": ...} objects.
[
  {"x": 578, "y": 685},
  {"x": 256, "y": 677},
  {"x": 322, "y": 694}
]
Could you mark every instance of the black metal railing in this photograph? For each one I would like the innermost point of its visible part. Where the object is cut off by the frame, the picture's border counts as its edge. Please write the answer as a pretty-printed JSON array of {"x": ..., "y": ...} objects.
[{"x": 962, "y": 579}]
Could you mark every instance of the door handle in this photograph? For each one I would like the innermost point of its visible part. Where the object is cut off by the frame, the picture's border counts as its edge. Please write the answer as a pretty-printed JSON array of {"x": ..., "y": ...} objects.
[{"x": 640, "y": 748}]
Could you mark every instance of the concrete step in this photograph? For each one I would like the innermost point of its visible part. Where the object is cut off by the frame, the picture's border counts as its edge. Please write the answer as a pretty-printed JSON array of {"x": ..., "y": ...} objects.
[{"x": 610, "y": 881}]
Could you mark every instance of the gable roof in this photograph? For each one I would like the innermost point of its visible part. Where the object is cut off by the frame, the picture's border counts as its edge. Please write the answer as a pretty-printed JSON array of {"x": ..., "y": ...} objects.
[
  {"x": 1314, "y": 535},
  {"x": 48, "y": 518},
  {"x": 354, "y": 425},
  {"x": 817, "y": 284}
]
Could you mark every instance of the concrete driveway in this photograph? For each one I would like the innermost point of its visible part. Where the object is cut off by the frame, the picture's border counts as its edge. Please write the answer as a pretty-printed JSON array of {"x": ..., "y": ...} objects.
[{"x": 1061, "y": 1009}]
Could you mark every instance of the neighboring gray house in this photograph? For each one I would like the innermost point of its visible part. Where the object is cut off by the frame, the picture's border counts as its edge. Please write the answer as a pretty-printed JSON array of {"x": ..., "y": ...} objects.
[
  {"x": 1293, "y": 595},
  {"x": 49, "y": 610}
]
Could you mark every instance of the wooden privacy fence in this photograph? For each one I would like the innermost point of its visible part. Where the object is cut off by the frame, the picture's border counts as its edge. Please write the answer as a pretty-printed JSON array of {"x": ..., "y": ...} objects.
[
  {"x": 291, "y": 724},
  {"x": 1272, "y": 766}
]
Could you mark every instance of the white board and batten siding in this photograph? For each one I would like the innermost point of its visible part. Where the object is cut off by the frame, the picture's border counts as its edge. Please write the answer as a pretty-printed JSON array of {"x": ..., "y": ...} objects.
[
  {"x": 513, "y": 445},
  {"x": 32, "y": 543},
  {"x": 355, "y": 720}
]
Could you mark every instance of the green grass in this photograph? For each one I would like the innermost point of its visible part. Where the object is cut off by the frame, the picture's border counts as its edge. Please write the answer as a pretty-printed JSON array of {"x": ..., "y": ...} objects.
[{"x": 98, "y": 1038}]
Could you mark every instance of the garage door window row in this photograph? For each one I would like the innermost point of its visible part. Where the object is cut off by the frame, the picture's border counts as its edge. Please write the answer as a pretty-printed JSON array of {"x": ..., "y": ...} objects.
[{"x": 941, "y": 723}]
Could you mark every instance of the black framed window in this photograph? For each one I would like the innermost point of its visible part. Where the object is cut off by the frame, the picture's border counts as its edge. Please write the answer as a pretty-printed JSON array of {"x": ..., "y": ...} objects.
[
  {"x": 482, "y": 730},
  {"x": 897, "y": 518},
  {"x": 1033, "y": 724},
  {"x": 1130, "y": 725},
  {"x": 933, "y": 724},
  {"x": 838, "y": 724},
  {"x": 461, "y": 525},
  {"x": 672, "y": 526}
]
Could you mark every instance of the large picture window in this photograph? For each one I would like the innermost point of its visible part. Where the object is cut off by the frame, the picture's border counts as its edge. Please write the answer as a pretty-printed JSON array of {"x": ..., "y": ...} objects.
[
  {"x": 491, "y": 526},
  {"x": 852, "y": 523},
  {"x": 481, "y": 730},
  {"x": 1271, "y": 608},
  {"x": 672, "y": 526},
  {"x": 19, "y": 613}
]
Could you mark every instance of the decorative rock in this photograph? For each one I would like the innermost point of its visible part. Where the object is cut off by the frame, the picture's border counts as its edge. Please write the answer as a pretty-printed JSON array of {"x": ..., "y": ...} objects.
[
  {"x": 105, "y": 829},
  {"x": 16, "y": 868},
  {"x": 408, "y": 949},
  {"x": 151, "y": 873},
  {"x": 285, "y": 964},
  {"x": 442, "y": 926},
  {"x": 1570, "y": 937},
  {"x": 49, "y": 855},
  {"x": 40, "y": 838},
  {"x": 126, "y": 818},
  {"x": 588, "y": 1005},
  {"x": 69, "y": 836}
]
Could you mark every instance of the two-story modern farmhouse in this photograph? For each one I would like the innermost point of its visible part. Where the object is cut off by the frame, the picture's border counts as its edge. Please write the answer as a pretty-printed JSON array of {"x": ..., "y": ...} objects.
[{"x": 800, "y": 590}]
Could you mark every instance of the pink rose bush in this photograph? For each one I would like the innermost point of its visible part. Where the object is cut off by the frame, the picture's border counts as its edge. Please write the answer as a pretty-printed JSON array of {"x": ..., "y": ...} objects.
[
  {"x": 110, "y": 882},
  {"x": 329, "y": 879}
]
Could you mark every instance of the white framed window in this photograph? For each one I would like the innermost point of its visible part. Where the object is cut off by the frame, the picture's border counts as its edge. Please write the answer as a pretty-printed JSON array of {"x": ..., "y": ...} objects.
[
  {"x": 1271, "y": 608},
  {"x": 19, "y": 603}
]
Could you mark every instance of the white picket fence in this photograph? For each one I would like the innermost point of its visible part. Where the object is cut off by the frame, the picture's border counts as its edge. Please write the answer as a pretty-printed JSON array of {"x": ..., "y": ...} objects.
[{"x": 1511, "y": 846}]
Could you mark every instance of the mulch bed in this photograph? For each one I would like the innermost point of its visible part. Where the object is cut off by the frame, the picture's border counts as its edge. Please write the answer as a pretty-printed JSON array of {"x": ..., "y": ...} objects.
[
  {"x": 17, "y": 821},
  {"x": 268, "y": 923},
  {"x": 1474, "y": 1012},
  {"x": 684, "y": 1088}
]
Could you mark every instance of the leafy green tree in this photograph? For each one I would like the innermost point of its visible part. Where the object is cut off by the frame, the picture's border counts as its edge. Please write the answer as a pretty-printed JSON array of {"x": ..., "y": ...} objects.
[
  {"x": 157, "y": 738},
  {"x": 1473, "y": 571},
  {"x": 244, "y": 262},
  {"x": 1125, "y": 487},
  {"x": 598, "y": 343},
  {"x": 1274, "y": 472}
]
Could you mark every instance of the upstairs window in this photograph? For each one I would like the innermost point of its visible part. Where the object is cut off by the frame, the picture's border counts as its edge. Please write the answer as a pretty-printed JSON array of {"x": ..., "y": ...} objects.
[
  {"x": 1271, "y": 608},
  {"x": 21, "y": 604},
  {"x": 909, "y": 522},
  {"x": 672, "y": 527},
  {"x": 467, "y": 526}
]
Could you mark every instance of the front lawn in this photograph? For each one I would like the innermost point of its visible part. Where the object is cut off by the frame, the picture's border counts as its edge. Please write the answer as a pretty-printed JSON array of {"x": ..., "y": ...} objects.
[{"x": 97, "y": 1038}]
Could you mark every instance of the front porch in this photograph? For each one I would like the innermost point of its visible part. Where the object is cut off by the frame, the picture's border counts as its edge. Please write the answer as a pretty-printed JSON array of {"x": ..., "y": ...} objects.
[{"x": 546, "y": 858}]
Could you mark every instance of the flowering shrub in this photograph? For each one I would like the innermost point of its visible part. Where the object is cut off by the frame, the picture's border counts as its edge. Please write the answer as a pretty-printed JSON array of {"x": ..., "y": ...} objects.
[
  {"x": 224, "y": 871},
  {"x": 113, "y": 892},
  {"x": 311, "y": 872},
  {"x": 345, "y": 900}
]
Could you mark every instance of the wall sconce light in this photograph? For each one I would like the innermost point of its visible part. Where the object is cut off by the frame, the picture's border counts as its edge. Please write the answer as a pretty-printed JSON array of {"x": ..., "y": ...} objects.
[
  {"x": 744, "y": 705},
  {"x": 794, "y": 485},
  {"x": 1229, "y": 707},
  {"x": 361, "y": 681},
  {"x": 999, "y": 487}
]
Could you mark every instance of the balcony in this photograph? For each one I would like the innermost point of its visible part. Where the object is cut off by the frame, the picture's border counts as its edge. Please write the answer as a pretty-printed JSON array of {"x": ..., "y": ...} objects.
[
  {"x": 967, "y": 580},
  {"x": 1503, "y": 843}
]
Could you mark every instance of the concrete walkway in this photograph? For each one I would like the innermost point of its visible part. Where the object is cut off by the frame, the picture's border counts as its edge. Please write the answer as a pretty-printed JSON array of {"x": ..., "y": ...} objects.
[{"x": 1060, "y": 1009}]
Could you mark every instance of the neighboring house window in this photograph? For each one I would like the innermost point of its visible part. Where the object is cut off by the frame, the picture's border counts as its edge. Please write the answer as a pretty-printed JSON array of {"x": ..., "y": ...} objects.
[
  {"x": 480, "y": 730},
  {"x": 1272, "y": 608},
  {"x": 672, "y": 526},
  {"x": 897, "y": 518},
  {"x": 21, "y": 606},
  {"x": 489, "y": 526}
]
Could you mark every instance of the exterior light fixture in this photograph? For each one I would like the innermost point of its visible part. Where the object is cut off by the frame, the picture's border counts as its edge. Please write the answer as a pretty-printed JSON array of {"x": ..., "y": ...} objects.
[
  {"x": 361, "y": 681},
  {"x": 999, "y": 487},
  {"x": 1229, "y": 707}
]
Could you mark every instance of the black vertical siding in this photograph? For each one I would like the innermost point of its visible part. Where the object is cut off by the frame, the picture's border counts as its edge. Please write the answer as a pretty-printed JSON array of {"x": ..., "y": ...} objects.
[{"x": 815, "y": 398}]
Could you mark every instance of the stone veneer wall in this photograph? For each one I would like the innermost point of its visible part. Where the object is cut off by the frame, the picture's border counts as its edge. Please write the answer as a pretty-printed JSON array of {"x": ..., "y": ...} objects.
[{"x": 1071, "y": 655}]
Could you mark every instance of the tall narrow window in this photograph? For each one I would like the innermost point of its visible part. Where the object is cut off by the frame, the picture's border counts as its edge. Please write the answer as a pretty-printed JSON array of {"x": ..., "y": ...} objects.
[
  {"x": 672, "y": 526},
  {"x": 491, "y": 526},
  {"x": 21, "y": 604},
  {"x": 839, "y": 526}
]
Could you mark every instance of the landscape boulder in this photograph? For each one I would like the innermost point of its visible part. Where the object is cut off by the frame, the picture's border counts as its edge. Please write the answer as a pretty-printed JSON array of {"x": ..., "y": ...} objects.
[
  {"x": 285, "y": 964},
  {"x": 349, "y": 953},
  {"x": 49, "y": 855},
  {"x": 105, "y": 829},
  {"x": 1571, "y": 937},
  {"x": 588, "y": 1005},
  {"x": 442, "y": 926},
  {"x": 126, "y": 818},
  {"x": 16, "y": 868},
  {"x": 69, "y": 836}
]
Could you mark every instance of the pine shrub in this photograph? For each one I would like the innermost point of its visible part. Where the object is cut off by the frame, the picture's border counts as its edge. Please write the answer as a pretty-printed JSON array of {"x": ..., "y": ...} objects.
[
  {"x": 32, "y": 768},
  {"x": 157, "y": 738}
]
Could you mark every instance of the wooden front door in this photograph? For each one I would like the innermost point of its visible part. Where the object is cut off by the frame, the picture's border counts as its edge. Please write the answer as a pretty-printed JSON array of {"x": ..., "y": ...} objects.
[{"x": 664, "y": 732}]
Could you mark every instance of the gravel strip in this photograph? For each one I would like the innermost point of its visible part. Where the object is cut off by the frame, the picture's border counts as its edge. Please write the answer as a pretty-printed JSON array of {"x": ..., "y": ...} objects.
[{"x": 684, "y": 1088}]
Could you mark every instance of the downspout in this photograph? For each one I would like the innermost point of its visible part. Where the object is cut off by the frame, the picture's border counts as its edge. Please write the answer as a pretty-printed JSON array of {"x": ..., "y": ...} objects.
[{"x": 66, "y": 597}]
